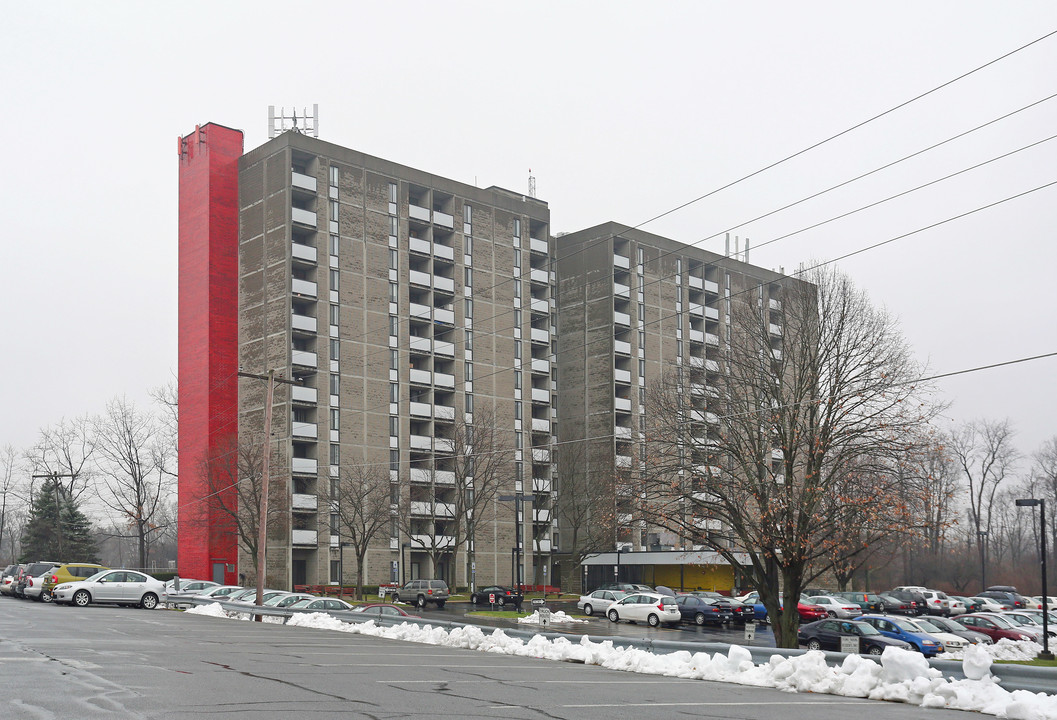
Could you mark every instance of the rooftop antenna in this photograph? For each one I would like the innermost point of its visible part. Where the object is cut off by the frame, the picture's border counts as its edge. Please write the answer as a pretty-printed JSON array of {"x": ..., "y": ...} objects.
[
  {"x": 278, "y": 124},
  {"x": 532, "y": 184}
]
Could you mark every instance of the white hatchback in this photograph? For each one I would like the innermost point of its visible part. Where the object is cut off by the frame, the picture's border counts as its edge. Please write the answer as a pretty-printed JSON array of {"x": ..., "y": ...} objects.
[{"x": 651, "y": 608}]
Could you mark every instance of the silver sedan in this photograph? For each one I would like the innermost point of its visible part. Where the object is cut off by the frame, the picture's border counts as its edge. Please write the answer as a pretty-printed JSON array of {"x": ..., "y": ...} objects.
[
  {"x": 598, "y": 601},
  {"x": 836, "y": 607}
]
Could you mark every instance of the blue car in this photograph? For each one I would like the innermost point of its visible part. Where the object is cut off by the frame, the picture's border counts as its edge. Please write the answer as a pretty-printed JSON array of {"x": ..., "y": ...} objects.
[{"x": 901, "y": 628}]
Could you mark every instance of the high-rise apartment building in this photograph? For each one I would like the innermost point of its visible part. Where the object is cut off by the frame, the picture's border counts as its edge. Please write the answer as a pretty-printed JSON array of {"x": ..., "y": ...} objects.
[{"x": 417, "y": 321}]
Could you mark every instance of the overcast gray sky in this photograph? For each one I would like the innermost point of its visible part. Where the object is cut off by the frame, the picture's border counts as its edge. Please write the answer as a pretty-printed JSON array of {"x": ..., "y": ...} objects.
[{"x": 623, "y": 110}]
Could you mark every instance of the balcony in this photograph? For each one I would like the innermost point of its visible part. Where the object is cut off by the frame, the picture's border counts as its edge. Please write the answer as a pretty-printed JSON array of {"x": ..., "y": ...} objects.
[
  {"x": 697, "y": 336},
  {"x": 541, "y": 485},
  {"x": 302, "y": 181},
  {"x": 444, "y": 477},
  {"x": 777, "y": 454},
  {"x": 303, "y": 323},
  {"x": 303, "y": 537},
  {"x": 303, "y": 217},
  {"x": 621, "y": 347},
  {"x": 621, "y": 261},
  {"x": 418, "y": 245},
  {"x": 622, "y": 404},
  {"x": 446, "y": 317},
  {"x": 540, "y": 335},
  {"x": 417, "y": 277},
  {"x": 443, "y": 252},
  {"x": 303, "y": 287},
  {"x": 622, "y": 433},
  {"x": 712, "y": 313},
  {"x": 444, "y": 445},
  {"x": 422, "y": 410},
  {"x": 306, "y": 253},
  {"x": 695, "y": 283},
  {"x": 541, "y": 366},
  {"x": 775, "y": 329},
  {"x": 537, "y": 275},
  {"x": 708, "y": 524},
  {"x": 442, "y": 347},
  {"x": 421, "y": 475},
  {"x": 697, "y": 362},
  {"x": 418, "y": 213},
  {"x": 303, "y": 466},
  {"x": 443, "y": 219},
  {"x": 623, "y": 376},
  {"x": 622, "y": 461},
  {"x": 444, "y": 412},
  {"x": 541, "y": 545},
  {"x": 540, "y": 455},
  {"x": 697, "y": 309},
  {"x": 621, "y": 290},
  {"x": 621, "y": 318},
  {"x": 422, "y": 442},
  {"x": 303, "y": 358},
  {"x": 712, "y": 366},
  {"x": 541, "y": 516},
  {"x": 301, "y": 394},
  {"x": 419, "y": 542},
  {"x": 711, "y": 287},
  {"x": 539, "y": 305},
  {"x": 301, "y": 501},
  {"x": 420, "y": 344},
  {"x": 538, "y": 246},
  {"x": 422, "y": 312},
  {"x": 420, "y": 377},
  {"x": 444, "y": 380},
  {"x": 541, "y": 425},
  {"x": 712, "y": 339},
  {"x": 541, "y": 395},
  {"x": 774, "y": 304},
  {"x": 303, "y": 430},
  {"x": 443, "y": 284}
]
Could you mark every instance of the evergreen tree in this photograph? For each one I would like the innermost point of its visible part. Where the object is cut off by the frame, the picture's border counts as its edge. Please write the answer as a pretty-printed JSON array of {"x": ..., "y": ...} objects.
[{"x": 57, "y": 530}]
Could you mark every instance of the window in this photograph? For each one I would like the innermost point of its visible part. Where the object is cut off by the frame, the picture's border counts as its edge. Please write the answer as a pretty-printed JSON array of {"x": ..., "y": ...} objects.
[
  {"x": 517, "y": 258},
  {"x": 392, "y": 192},
  {"x": 335, "y": 315},
  {"x": 517, "y": 410},
  {"x": 469, "y": 372},
  {"x": 638, "y": 253},
  {"x": 333, "y": 523},
  {"x": 334, "y": 241},
  {"x": 469, "y": 309},
  {"x": 393, "y": 226},
  {"x": 517, "y": 379},
  {"x": 335, "y": 383},
  {"x": 394, "y": 494},
  {"x": 642, "y": 368},
  {"x": 335, "y": 418},
  {"x": 394, "y": 359},
  {"x": 334, "y": 277},
  {"x": 394, "y": 528},
  {"x": 467, "y": 245},
  {"x": 334, "y": 175},
  {"x": 335, "y": 454},
  {"x": 393, "y": 259},
  {"x": 469, "y": 339},
  {"x": 468, "y": 277},
  {"x": 517, "y": 349},
  {"x": 517, "y": 318},
  {"x": 394, "y": 292},
  {"x": 469, "y": 403},
  {"x": 335, "y": 488},
  {"x": 642, "y": 312},
  {"x": 334, "y": 210},
  {"x": 517, "y": 288},
  {"x": 517, "y": 227},
  {"x": 467, "y": 214},
  {"x": 518, "y": 440},
  {"x": 394, "y": 426},
  {"x": 394, "y": 459},
  {"x": 335, "y": 347},
  {"x": 335, "y": 566},
  {"x": 394, "y": 392}
]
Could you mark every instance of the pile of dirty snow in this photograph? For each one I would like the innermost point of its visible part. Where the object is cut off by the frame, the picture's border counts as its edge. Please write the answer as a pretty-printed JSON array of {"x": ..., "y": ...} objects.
[{"x": 558, "y": 616}]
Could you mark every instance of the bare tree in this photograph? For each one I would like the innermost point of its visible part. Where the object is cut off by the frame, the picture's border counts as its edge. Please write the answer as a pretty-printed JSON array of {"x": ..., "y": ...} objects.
[
  {"x": 986, "y": 457},
  {"x": 587, "y": 507},
  {"x": 810, "y": 403},
  {"x": 166, "y": 397},
  {"x": 65, "y": 451},
  {"x": 1044, "y": 477},
  {"x": 363, "y": 511},
  {"x": 10, "y": 503},
  {"x": 131, "y": 461}
]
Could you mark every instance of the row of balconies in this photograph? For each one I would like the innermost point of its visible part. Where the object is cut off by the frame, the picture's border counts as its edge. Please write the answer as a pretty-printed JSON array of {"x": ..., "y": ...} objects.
[
  {"x": 707, "y": 338},
  {"x": 425, "y": 215},
  {"x": 428, "y": 443},
  {"x": 426, "y": 410},
  {"x": 437, "y": 282},
  {"x": 435, "y": 249},
  {"x": 440, "y": 477},
  {"x": 434, "y": 314},
  {"x": 697, "y": 283},
  {"x": 421, "y": 344},
  {"x": 428, "y": 377}
]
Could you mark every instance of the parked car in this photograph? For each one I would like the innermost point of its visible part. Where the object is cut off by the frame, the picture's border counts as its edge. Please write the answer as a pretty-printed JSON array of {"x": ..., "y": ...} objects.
[
  {"x": 1005, "y": 596},
  {"x": 503, "y": 596},
  {"x": 220, "y": 593},
  {"x": 951, "y": 626},
  {"x": 599, "y": 600},
  {"x": 1025, "y": 620},
  {"x": 895, "y": 606},
  {"x": 952, "y": 642},
  {"x": 836, "y": 607},
  {"x": 994, "y": 626},
  {"x": 741, "y": 612},
  {"x": 281, "y": 601},
  {"x": 867, "y": 602},
  {"x": 188, "y": 589},
  {"x": 250, "y": 597},
  {"x": 122, "y": 587},
  {"x": 986, "y": 604},
  {"x": 651, "y": 608},
  {"x": 937, "y": 603},
  {"x": 914, "y": 598},
  {"x": 383, "y": 609},
  {"x": 321, "y": 604},
  {"x": 7, "y": 578},
  {"x": 1051, "y": 602},
  {"x": 33, "y": 581},
  {"x": 702, "y": 611},
  {"x": 421, "y": 592},
  {"x": 625, "y": 587},
  {"x": 70, "y": 572},
  {"x": 904, "y": 629},
  {"x": 826, "y": 635}
]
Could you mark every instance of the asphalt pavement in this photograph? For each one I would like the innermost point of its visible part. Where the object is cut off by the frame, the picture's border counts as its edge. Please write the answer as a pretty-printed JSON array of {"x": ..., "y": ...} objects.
[{"x": 123, "y": 663}]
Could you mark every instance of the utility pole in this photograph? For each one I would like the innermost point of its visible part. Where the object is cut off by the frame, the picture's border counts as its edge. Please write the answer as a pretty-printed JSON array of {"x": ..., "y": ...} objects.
[{"x": 262, "y": 535}]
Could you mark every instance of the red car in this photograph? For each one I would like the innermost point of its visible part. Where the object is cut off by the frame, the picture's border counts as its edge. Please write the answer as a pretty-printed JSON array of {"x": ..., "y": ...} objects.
[
  {"x": 995, "y": 627},
  {"x": 810, "y": 613}
]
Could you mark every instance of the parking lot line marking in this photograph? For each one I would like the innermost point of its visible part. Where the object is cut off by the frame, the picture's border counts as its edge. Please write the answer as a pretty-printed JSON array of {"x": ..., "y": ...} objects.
[
  {"x": 710, "y": 704},
  {"x": 544, "y": 682}
]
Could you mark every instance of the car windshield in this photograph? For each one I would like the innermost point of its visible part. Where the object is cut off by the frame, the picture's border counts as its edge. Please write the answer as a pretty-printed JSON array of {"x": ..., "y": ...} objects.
[
  {"x": 302, "y": 603},
  {"x": 1000, "y": 621},
  {"x": 865, "y": 628},
  {"x": 927, "y": 626},
  {"x": 905, "y": 625}
]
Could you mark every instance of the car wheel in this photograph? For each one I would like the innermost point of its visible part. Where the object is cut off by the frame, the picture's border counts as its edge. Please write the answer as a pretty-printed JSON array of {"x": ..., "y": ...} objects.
[
  {"x": 653, "y": 620},
  {"x": 831, "y": 613},
  {"x": 395, "y": 598},
  {"x": 501, "y": 601},
  {"x": 46, "y": 597},
  {"x": 473, "y": 599},
  {"x": 81, "y": 598},
  {"x": 149, "y": 601},
  {"x": 699, "y": 619},
  {"x": 420, "y": 602},
  {"x": 874, "y": 650},
  {"x": 814, "y": 644},
  {"x": 588, "y": 609},
  {"x": 613, "y": 616}
]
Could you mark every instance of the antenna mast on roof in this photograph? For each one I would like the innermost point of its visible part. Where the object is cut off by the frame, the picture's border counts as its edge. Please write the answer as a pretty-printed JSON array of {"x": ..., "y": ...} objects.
[
  {"x": 309, "y": 123},
  {"x": 532, "y": 184}
]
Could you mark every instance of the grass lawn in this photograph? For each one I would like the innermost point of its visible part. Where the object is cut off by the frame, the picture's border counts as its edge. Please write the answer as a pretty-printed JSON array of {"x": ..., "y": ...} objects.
[{"x": 1036, "y": 663}]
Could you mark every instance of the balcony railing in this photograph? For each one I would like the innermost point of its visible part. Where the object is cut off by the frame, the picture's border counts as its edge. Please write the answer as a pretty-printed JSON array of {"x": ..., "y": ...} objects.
[
  {"x": 541, "y": 515},
  {"x": 444, "y": 412},
  {"x": 421, "y": 442},
  {"x": 621, "y": 261},
  {"x": 420, "y": 344},
  {"x": 443, "y": 283},
  {"x": 302, "y": 394},
  {"x": 622, "y": 433},
  {"x": 622, "y": 376},
  {"x": 421, "y": 475},
  {"x": 697, "y": 309},
  {"x": 419, "y": 542},
  {"x": 303, "y": 217},
  {"x": 622, "y": 404},
  {"x": 774, "y": 304},
  {"x": 537, "y": 275},
  {"x": 302, "y": 181},
  {"x": 418, "y": 213},
  {"x": 444, "y": 445},
  {"x": 541, "y": 424},
  {"x": 540, "y": 365},
  {"x": 303, "y": 252},
  {"x": 622, "y": 461},
  {"x": 775, "y": 329},
  {"x": 301, "y": 501},
  {"x": 303, "y": 287},
  {"x": 540, "y": 335},
  {"x": 441, "y": 315},
  {"x": 711, "y": 287},
  {"x": 304, "y": 430},
  {"x": 418, "y": 245},
  {"x": 697, "y": 336},
  {"x": 541, "y": 395},
  {"x": 443, "y": 347},
  {"x": 539, "y": 305},
  {"x": 444, "y": 380},
  {"x": 695, "y": 282},
  {"x": 443, "y": 252},
  {"x": 538, "y": 246},
  {"x": 419, "y": 311},
  {"x": 621, "y": 318},
  {"x": 303, "y": 358},
  {"x": 621, "y": 290},
  {"x": 541, "y": 455},
  {"x": 443, "y": 219},
  {"x": 303, "y": 537},
  {"x": 444, "y": 477},
  {"x": 621, "y": 347},
  {"x": 421, "y": 377},
  {"x": 417, "y": 277},
  {"x": 541, "y": 545},
  {"x": 541, "y": 485},
  {"x": 420, "y": 409},
  {"x": 711, "y": 313},
  {"x": 304, "y": 323},
  {"x": 712, "y": 339},
  {"x": 303, "y": 466}
]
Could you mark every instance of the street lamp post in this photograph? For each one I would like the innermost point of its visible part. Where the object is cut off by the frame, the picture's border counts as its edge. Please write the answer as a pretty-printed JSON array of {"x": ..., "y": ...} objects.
[
  {"x": 1032, "y": 502},
  {"x": 982, "y": 534}
]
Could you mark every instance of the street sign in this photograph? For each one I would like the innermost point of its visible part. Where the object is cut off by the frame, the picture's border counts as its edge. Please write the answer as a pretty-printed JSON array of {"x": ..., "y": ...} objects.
[
  {"x": 491, "y": 598},
  {"x": 750, "y": 631},
  {"x": 545, "y": 617},
  {"x": 537, "y": 601},
  {"x": 849, "y": 644}
]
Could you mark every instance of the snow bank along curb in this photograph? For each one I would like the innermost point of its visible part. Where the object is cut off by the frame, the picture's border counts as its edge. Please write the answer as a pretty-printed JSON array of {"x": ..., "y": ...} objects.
[{"x": 901, "y": 676}]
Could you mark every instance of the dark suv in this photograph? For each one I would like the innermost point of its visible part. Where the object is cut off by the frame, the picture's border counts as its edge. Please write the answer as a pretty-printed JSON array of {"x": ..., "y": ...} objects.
[
  {"x": 1006, "y": 596},
  {"x": 914, "y": 598},
  {"x": 420, "y": 592}
]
